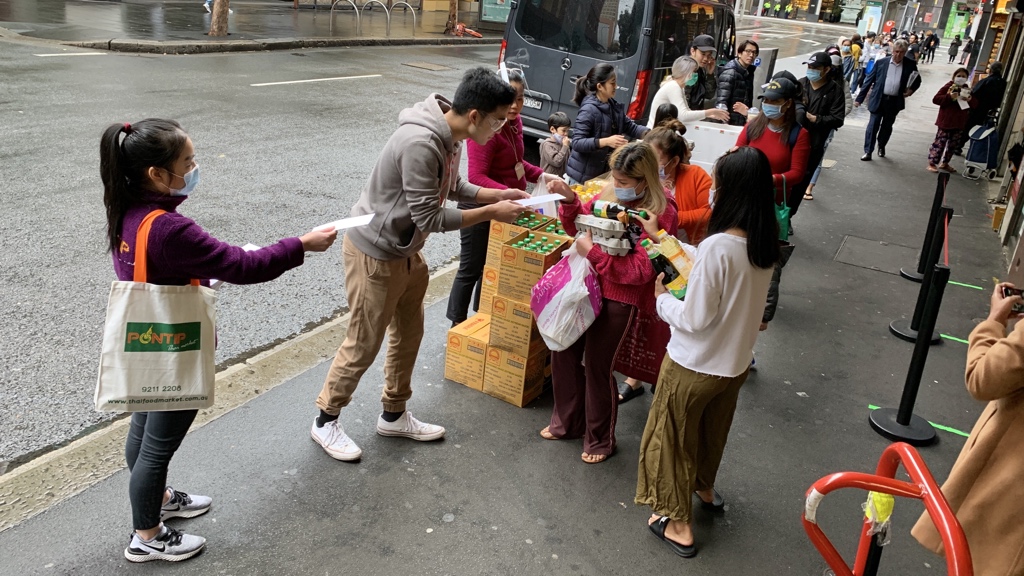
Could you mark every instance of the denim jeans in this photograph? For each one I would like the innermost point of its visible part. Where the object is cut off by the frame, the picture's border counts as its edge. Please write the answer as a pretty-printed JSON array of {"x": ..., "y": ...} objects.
[{"x": 153, "y": 437}]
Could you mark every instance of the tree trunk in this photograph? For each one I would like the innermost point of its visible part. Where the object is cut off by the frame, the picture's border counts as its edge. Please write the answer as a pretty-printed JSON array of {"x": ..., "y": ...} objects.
[
  {"x": 219, "y": 21},
  {"x": 453, "y": 17}
]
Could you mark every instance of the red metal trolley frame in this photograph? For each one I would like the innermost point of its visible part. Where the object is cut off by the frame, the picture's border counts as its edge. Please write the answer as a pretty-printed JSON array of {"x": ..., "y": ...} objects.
[{"x": 922, "y": 487}]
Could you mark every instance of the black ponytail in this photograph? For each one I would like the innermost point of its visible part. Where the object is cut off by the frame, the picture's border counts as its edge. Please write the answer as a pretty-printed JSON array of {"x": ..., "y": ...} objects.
[
  {"x": 124, "y": 162},
  {"x": 587, "y": 85}
]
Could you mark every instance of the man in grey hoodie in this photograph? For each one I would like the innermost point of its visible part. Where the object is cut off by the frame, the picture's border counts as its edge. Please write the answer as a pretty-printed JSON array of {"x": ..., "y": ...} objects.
[{"x": 386, "y": 276}]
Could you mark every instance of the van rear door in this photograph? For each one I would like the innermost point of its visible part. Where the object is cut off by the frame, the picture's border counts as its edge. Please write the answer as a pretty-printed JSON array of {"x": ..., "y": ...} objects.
[
  {"x": 555, "y": 42},
  {"x": 535, "y": 42},
  {"x": 614, "y": 31}
]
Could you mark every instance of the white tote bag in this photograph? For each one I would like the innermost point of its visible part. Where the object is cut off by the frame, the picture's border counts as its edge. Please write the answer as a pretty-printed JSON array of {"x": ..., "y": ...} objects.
[{"x": 158, "y": 343}]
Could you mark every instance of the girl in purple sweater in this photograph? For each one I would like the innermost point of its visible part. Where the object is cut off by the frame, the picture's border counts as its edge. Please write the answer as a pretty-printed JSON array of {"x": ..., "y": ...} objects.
[
  {"x": 498, "y": 164},
  {"x": 151, "y": 166}
]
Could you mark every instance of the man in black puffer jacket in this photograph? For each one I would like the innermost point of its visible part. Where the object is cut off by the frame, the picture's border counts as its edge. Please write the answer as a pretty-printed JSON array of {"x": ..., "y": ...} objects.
[
  {"x": 821, "y": 109},
  {"x": 736, "y": 83}
]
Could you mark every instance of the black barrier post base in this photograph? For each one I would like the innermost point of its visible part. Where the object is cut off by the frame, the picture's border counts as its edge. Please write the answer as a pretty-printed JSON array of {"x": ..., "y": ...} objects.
[
  {"x": 902, "y": 330},
  {"x": 903, "y": 425},
  {"x": 911, "y": 274},
  {"x": 918, "y": 432}
]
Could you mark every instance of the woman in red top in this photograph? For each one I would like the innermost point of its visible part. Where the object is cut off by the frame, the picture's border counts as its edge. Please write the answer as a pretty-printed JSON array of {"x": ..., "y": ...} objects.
[
  {"x": 787, "y": 146},
  {"x": 952, "y": 120},
  {"x": 499, "y": 164},
  {"x": 776, "y": 133},
  {"x": 586, "y": 396}
]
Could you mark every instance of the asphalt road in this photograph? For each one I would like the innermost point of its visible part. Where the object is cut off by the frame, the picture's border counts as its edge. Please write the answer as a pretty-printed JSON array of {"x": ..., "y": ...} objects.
[{"x": 277, "y": 160}]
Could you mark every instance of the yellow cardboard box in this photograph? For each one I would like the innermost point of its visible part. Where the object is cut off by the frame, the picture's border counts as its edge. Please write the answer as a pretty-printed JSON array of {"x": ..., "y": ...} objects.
[
  {"x": 488, "y": 288},
  {"x": 500, "y": 232},
  {"x": 467, "y": 348},
  {"x": 512, "y": 325},
  {"x": 514, "y": 378},
  {"x": 520, "y": 269}
]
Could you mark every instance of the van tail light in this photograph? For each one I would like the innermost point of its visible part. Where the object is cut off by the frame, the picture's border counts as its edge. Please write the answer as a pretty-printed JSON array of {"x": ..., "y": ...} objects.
[
  {"x": 501, "y": 53},
  {"x": 636, "y": 105}
]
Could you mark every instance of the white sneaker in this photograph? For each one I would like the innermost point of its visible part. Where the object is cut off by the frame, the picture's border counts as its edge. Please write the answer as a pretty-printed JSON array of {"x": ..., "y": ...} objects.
[
  {"x": 207, "y": 6},
  {"x": 182, "y": 505},
  {"x": 335, "y": 442},
  {"x": 171, "y": 545},
  {"x": 408, "y": 427}
]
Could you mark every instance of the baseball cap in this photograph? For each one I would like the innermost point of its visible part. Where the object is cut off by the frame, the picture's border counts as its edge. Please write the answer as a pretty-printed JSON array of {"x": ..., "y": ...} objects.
[
  {"x": 780, "y": 88},
  {"x": 819, "y": 60},
  {"x": 704, "y": 43}
]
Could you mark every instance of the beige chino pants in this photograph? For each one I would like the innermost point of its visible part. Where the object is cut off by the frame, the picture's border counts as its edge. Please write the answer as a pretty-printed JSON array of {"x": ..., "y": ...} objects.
[{"x": 383, "y": 296}]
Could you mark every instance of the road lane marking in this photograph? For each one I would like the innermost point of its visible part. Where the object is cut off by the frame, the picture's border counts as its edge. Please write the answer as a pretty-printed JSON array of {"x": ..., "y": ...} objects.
[
  {"x": 72, "y": 54},
  {"x": 316, "y": 80}
]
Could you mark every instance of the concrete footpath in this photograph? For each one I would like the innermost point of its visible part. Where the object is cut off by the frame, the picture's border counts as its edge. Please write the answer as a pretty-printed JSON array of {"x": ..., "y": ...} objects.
[
  {"x": 181, "y": 26},
  {"x": 494, "y": 498}
]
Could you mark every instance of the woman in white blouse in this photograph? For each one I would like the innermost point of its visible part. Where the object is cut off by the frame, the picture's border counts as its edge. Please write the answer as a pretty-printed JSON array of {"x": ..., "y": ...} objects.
[
  {"x": 713, "y": 332},
  {"x": 673, "y": 91}
]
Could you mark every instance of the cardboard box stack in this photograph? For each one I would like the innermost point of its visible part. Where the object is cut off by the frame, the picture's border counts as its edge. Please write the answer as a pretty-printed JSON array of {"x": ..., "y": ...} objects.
[{"x": 515, "y": 361}]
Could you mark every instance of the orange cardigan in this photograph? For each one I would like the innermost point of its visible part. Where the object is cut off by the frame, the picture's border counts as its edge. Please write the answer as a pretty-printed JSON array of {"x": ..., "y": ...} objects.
[{"x": 692, "y": 187}]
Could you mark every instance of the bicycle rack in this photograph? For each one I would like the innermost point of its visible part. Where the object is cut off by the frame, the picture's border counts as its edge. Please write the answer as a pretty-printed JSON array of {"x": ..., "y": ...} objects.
[
  {"x": 387, "y": 14},
  {"x": 409, "y": 10},
  {"x": 922, "y": 487},
  {"x": 335, "y": 3}
]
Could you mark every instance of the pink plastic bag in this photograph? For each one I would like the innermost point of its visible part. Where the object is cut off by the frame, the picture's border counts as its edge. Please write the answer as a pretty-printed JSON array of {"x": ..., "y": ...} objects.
[{"x": 566, "y": 301}]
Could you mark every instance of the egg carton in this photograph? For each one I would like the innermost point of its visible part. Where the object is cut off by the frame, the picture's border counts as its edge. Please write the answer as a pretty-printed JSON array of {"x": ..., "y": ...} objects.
[
  {"x": 613, "y": 246},
  {"x": 600, "y": 227}
]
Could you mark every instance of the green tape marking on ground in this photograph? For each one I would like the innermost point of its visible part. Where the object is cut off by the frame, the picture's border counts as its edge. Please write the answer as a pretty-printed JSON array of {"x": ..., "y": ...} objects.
[
  {"x": 948, "y": 429},
  {"x": 966, "y": 285},
  {"x": 934, "y": 425},
  {"x": 954, "y": 338}
]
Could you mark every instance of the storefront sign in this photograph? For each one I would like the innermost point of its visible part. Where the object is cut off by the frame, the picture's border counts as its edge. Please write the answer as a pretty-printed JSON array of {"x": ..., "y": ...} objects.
[{"x": 495, "y": 10}]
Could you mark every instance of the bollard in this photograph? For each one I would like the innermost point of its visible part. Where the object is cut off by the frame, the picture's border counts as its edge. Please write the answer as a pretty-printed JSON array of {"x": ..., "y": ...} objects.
[
  {"x": 902, "y": 424},
  {"x": 922, "y": 261},
  {"x": 908, "y": 330}
]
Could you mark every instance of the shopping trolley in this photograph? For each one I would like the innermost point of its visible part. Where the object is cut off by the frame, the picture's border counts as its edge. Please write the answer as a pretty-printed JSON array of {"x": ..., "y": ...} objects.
[{"x": 922, "y": 486}]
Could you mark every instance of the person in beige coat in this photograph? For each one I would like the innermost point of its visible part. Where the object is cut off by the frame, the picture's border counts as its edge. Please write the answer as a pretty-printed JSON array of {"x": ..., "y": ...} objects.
[{"x": 985, "y": 488}]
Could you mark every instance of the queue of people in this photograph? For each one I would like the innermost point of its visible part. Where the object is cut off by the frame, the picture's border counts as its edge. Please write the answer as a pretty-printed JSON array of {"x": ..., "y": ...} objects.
[{"x": 731, "y": 217}]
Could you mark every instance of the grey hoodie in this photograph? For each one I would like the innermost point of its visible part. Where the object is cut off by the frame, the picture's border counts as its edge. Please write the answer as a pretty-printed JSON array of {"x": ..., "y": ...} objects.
[{"x": 415, "y": 174}]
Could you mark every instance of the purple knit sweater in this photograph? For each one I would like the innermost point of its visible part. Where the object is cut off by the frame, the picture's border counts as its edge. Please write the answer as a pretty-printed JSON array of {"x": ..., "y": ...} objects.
[{"x": 180, "y": 250}]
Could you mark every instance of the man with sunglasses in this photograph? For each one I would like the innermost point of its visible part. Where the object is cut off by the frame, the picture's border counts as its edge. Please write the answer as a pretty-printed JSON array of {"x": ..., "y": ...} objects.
[{"x": 386, "y": 275}]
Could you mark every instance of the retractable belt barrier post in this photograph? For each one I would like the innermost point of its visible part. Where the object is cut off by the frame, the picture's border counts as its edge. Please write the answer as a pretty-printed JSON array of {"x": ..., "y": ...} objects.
[
  {"x": 909, "y": 331},
  {"x": 903, "y": 425},
  {"x": 922, "y": 261}
]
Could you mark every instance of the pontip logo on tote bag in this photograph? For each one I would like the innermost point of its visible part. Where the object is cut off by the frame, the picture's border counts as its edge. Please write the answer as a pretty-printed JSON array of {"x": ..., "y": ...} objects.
[{"x": 154, "y": 337}]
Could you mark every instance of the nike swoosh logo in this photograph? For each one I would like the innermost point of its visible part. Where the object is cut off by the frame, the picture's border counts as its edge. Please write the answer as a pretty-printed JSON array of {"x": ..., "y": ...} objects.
[{"x": 155, "y": 546}]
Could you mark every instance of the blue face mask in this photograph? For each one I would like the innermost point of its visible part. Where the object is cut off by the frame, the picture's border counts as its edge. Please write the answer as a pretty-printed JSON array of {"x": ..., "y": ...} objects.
[
  {"x": 772, "y": 111},
  {"x": 627, "y": 194},
  {"x": 191, "y": 179},
  {"x": 558, "y": 137},
  {"x": 813, "y": 75},
  {"x": 661, "y": 173}
]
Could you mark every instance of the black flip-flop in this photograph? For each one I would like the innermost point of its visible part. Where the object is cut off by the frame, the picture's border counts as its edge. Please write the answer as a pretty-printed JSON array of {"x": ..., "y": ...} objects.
[
  {"x": 717, "y": 503},
  {"x": 628, "y": 392},
  {"x": 658, "y": 528}
]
